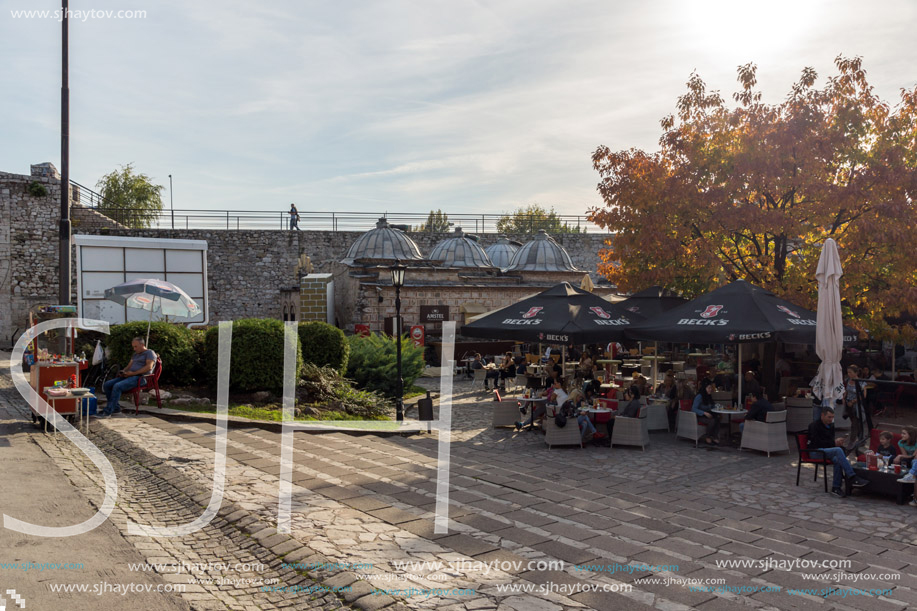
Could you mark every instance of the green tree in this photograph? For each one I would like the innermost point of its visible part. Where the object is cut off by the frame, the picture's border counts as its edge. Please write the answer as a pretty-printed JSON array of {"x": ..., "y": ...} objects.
[
  {"x": 532, "y": 218},
  {"x": 130, "y": 199},
  {"x": 753, "y": 191},
  {"x": 437, "y": 222}
]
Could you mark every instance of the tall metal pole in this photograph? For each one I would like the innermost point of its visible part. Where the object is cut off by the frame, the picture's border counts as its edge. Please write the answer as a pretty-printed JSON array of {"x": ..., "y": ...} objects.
[
  {"x": 399, "y": 405},
  {"x": 171, "y": 202},
  {"x": 64, "y": 229}
]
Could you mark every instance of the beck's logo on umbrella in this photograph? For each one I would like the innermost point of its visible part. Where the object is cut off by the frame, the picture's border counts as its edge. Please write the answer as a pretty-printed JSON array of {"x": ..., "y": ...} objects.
[
  {"x": 533, "y": 312},
  {"x": 600, "y": 312},
  {"x": 786, "y": 310},
  {"x": 711, "y": 311}
]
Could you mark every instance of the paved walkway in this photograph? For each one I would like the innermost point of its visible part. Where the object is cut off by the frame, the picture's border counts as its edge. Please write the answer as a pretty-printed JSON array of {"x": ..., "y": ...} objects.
[{"x": 593, "y": 518}]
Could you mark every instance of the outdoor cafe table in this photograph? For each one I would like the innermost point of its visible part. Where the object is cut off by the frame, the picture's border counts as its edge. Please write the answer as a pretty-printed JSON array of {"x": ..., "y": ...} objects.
[
  {"x": 533, "y": 401},
  {"x": 593, "y": 412},
  {"x": 719, "y": 410}
]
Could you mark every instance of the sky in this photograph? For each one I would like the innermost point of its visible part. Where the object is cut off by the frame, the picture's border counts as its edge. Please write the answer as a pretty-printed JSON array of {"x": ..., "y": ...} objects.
[{"x": 403, "y": 105}]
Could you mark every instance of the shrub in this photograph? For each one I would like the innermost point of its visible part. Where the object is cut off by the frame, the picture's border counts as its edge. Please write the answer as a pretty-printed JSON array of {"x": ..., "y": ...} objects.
[
  {"x": 323, "y": 345},
  {"x": 257, "y": 355},
  {"x": 173, "y": 343},
  {"x": 373, "y": 363}
]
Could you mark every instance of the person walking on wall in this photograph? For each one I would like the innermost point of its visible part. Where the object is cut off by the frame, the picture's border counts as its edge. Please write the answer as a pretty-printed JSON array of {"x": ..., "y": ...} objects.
[{"x": 294, "y": 217}]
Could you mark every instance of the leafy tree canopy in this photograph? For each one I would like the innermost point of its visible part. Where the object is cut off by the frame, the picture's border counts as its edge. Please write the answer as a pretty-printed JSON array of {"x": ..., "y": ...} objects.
[
  {"x": 532, "y": 218},
  {"x": 437, "y": 222},
  {"x": 753, "y": 191},
  {"x": 128, "y": 198}
]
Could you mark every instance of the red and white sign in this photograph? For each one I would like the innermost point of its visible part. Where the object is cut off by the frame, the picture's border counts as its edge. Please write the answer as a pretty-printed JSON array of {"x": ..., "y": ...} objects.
[
  {"x": 359, "y": 329},
  {"x": 600, "y": 312},
  {"x": 417, "y": 335},
  {"x": 711, "y": 311},
  {"x": 533, "y": 312}
]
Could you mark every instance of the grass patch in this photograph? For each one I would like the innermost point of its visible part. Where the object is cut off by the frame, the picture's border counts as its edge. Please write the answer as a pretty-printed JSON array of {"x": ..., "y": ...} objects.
[{"x": 272, "y": 414}]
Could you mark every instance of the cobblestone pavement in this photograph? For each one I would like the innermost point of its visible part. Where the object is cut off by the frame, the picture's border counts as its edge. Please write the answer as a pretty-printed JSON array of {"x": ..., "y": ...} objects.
[{"x": 592, "y": 517}]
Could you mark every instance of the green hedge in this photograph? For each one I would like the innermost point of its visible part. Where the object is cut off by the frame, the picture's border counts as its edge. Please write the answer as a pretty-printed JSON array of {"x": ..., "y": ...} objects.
[
  {"x": 373, "y": 363},
  {"x": 173, "y": 343},
  {"x": 323, "y": 345},
  {"x": 257, "y": 355}
]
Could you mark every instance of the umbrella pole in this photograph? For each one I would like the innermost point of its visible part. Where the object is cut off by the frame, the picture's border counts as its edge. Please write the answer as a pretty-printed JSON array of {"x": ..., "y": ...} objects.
[
  {"x": 150, "y": 323},
  {"x": 655, "y": 364},
  {"x": 741, "y": 377},
  {"x": 894, "y": 372}
]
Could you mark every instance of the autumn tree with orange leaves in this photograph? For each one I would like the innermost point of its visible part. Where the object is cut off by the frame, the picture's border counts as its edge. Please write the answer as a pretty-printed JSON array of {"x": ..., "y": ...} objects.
[{"x": 753, "y": 191}]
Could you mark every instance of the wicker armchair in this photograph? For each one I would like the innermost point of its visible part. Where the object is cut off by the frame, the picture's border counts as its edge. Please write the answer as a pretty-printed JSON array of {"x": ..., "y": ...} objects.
[
  {"x": 631, "y": 431},
  {"x": 657, "y": 416},
  {"x": 687, "y": 427},
  {"x": 569, "y": 435},
  {"x": 798, "y": 414},
  {"x": 506, "y": 412},
  {"x": 768, "y": 436}
]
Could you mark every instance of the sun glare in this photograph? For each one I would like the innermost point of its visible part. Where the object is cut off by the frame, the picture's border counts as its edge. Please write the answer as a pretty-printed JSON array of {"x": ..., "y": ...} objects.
[{"x": 755, "y": 31}]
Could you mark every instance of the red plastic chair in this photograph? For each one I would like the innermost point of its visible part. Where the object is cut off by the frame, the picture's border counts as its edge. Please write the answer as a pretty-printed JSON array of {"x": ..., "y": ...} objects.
[
  {"x": 808, "y": 456},
  {"x": 152, "y": 383}
]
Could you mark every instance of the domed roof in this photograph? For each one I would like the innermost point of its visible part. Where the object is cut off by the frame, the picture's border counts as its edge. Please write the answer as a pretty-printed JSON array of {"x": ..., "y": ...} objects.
[
  {"x": 384, "y": 243},
  {"x": 501, "y": 252},
  {"x": 542, "y": 254},
  {"x": 460, "y": 251}
]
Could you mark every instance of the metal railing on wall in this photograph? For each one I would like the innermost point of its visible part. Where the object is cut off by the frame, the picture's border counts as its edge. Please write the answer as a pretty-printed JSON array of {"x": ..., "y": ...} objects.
[{"x": 324, "y": 220}]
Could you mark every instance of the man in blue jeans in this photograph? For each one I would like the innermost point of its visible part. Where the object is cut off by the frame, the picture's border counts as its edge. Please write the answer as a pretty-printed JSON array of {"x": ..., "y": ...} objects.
[
  {"x": 821, "y": 439},
  {"x": 128, "y": 378}
]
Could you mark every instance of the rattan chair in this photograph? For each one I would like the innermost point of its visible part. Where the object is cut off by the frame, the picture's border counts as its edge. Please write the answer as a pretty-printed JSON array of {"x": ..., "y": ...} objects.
[
  {"x": 798, "y": 414},
  {"x": 686, "y": 426},
  {"x": 631, "y": 431},
  {"x": 505, "y": 413},
  {"x": 569, "y": 435},
  {"x": 657, "y": 417},
  {"x": 768, "y": 436}
]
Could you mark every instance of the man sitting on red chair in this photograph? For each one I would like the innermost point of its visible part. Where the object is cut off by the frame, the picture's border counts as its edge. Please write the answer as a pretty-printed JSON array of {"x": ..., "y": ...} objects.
[
  {"x": 128, "y": 378},
  {"x": 821, "y": 438}
]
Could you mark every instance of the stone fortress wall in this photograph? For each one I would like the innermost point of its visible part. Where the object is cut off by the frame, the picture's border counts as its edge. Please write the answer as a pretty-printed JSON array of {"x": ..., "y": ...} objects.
[{"x": 247, "y": 269}]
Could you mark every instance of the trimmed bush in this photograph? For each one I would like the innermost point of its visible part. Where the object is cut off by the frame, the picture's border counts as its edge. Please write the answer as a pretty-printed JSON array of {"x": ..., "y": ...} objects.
[
  {"x": 373, "y": 363},
  {"x": 257, "y": 355},
  {"x": 173, "y": 343},
  {"x": 323, "y": 345}
]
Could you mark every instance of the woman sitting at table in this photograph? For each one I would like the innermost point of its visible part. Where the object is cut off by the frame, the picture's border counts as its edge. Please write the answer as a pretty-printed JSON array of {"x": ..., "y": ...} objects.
[
  {"x": 632, "y": 406},
  {"x": 578, "y": 399},
  {"x": 668, "y": 391},
  {"x": 703, "y": 404},
  {"x": 555, "y": 396},
  {"x": 586, "y": 368},
  {"x": 507, "y": 369}
]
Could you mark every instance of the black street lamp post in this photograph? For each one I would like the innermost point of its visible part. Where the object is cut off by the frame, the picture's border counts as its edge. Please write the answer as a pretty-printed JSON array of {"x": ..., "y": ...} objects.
[{"x": 398, "y": 282}]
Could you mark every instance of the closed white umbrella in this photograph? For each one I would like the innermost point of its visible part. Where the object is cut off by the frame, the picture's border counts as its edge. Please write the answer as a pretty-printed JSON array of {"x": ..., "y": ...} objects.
[{"x": 828, "y": 383}]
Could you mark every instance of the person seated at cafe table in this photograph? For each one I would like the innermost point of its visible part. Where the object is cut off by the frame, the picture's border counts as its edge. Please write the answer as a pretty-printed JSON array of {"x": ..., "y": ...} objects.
[
  {"x": 632, "y": 406},
  {"x": 586, "y": 368},
  {"x": 821, "y": 438},
  {"x": 578, "y": 400},
  {"x": 555, "y": 396},
  {"x": 142, "y": 363},
  {"x": 703, "y": 406},
  {"x": 507, "y": 369},
  {"x": 907, "y": 447},
  {"x": 490, "y": 374},
  {"x": 750, "y": 385},
  {"x": 758, "y": 408},
  {"x": 669, "y": 391},
  {"x": 887, "y": 449}
]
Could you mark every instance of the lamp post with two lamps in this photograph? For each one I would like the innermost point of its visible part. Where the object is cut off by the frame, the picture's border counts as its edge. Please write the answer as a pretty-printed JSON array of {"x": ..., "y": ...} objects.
[{"x": 398, "y": 281}]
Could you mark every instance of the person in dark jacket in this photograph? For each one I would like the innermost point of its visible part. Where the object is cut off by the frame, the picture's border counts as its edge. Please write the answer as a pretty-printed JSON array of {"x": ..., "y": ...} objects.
[
  {"x": 632, "y": 408},
  {"x": 821, "y": 439}
]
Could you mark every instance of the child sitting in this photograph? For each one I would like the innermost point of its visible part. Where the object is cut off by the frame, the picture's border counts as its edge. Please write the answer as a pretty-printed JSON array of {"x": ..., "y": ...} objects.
[
  {"x": 886, "y": 449},
  {"x": 907, "y": 446}
]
